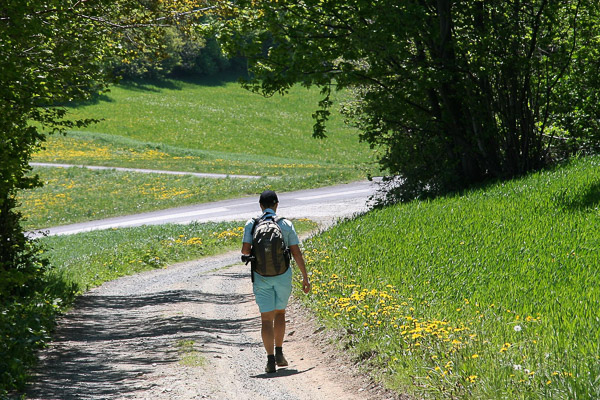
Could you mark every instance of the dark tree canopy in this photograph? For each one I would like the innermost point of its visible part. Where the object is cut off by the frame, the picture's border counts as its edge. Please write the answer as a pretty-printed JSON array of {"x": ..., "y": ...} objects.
[{"x": 453, "y": 92}]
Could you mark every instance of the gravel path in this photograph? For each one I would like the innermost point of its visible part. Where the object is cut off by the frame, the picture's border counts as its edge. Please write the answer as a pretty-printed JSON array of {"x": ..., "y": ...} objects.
[
  {"x": 146, "y": 171},
  {"x": 123, "y": 340}
]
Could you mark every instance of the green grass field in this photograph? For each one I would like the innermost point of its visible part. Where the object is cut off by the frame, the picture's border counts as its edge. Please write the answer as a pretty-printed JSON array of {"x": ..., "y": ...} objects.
[
  {"x": 212, "y": 126},
  {"x": 209, "y": 126},
  {"x": 492, "y": 294}
]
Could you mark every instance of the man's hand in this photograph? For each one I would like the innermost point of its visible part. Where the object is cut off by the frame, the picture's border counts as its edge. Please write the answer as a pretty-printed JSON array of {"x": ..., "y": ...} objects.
[{"x": 305, "y": 285}]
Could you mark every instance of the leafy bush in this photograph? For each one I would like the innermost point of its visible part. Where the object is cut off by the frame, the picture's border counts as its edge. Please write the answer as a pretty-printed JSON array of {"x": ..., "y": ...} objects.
[{"x": 30, "y": 299}]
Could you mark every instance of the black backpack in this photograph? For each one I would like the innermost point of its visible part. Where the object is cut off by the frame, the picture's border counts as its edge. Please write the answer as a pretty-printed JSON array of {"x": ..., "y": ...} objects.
[{"x": 270, "y": 253}]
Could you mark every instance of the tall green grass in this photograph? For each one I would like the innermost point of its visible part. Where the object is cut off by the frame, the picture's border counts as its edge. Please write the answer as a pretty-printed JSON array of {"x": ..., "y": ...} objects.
[{"x": 490, "y": 294}]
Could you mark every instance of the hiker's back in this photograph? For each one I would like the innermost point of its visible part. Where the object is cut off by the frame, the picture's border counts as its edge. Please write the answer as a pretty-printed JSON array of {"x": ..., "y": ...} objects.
[{"x": 269, "y": 247}]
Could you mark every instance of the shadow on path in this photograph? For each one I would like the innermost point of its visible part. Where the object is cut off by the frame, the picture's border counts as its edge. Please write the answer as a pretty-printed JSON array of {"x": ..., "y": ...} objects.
[
  {"x": 105, "y": 346},
  {"x": 281, "y": 373}
]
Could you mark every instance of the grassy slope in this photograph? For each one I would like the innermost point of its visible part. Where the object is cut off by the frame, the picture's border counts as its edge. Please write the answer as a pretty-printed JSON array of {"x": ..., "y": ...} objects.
[
  {"x": 219, "y": 121},
  {"x": 490, "y": 294}
]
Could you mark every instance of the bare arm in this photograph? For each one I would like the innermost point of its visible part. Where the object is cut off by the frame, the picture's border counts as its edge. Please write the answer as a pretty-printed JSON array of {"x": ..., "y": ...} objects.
[
  {"x": 246, "y": 247},
  {"x": 297, "y": 254}
]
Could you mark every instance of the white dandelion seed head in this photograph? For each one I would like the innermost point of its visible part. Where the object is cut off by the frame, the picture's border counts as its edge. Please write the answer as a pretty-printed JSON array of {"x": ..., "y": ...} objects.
[
  {"x": 518, "y": 328},
  {"x": 517, "y": 367}
]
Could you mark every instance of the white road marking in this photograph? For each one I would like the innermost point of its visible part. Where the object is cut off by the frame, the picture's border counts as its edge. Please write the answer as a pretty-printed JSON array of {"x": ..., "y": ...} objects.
[{"x": 323, "y": 196}]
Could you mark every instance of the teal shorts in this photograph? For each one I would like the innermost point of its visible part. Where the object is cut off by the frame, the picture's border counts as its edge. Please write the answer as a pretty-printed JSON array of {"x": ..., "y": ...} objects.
[{"x": 272, "y": 292}]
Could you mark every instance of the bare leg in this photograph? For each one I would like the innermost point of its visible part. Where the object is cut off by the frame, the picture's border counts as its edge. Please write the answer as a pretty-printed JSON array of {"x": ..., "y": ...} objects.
[
  {"x": 267, "y": 331},
  {"x": 279, "y": 327}
]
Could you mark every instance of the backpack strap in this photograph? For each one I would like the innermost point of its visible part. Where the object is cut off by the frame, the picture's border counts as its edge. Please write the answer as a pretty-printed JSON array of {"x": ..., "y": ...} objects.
[
  {"x": 287, "y": 253},
  {"x": 253, "y": 263},
  {"x": 255, "y": 220}
]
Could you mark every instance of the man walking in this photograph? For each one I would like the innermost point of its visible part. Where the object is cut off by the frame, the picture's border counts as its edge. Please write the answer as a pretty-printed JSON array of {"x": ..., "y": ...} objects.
[{"x": 273, "y": 291}]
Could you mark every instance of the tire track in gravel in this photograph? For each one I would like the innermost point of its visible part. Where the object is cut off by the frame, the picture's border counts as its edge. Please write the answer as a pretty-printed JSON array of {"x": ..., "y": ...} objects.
[{"x": 121, "y": 340}]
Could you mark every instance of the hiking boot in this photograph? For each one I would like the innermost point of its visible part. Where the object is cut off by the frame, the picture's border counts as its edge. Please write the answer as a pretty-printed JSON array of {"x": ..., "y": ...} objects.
[
  {"x": 270, "y": 368},
  {"x": 280, "y": 360}
]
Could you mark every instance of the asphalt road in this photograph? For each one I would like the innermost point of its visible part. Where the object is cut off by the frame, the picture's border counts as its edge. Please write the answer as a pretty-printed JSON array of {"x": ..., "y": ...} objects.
[{"x": 324, "y": 205}]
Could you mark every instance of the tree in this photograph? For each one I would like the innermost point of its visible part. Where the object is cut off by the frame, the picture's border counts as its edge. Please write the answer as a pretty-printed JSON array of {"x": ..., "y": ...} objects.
[
  {"x": 52, "y": 52},
  {"x": 453, "y": 92},
  {"x": 182, "y": 54}
]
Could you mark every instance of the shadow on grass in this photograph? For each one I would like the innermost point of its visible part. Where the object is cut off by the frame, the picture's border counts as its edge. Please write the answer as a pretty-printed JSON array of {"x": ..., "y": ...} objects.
[
  {"x": 95, "y": 99},
  {"x": 106, "y": 346},
  {"x": 176, "y": 82},
  {"x": 156, "y": 85},
  {"x": 590, "y": 199}
]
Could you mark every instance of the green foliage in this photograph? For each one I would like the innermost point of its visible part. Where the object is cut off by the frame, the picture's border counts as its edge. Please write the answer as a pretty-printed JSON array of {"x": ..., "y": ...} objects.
[
  {"x": 30, "y": 299},
  {"x": 180, "y": 54},
  {"x": 453, "y": 92},
  {"x": 490, "y": 294}
]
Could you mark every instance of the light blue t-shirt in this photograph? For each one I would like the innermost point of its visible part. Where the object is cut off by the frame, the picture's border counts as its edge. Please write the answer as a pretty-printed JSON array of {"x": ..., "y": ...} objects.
[{"x": 290, "y": 237}]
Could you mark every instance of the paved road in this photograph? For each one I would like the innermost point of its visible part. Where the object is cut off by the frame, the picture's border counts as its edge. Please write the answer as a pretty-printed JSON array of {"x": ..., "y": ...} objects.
[{"x": 324, "y": 205}]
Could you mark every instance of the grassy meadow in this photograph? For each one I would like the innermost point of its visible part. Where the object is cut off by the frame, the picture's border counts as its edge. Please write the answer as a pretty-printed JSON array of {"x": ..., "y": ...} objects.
[
  {"x": 490, "y": 294},
  {"x": 212, "y": 126},
  {"x": 209, "y": 126}
]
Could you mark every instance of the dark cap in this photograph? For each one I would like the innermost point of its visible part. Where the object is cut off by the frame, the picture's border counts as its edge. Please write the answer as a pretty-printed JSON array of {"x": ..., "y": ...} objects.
[{"x": 268, "y": 197}]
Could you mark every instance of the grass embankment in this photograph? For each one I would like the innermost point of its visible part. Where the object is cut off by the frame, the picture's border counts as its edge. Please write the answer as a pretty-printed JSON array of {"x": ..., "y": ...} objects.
[
  {"x": 216, "y": 120},
  {"x": 492, "y": 294}
]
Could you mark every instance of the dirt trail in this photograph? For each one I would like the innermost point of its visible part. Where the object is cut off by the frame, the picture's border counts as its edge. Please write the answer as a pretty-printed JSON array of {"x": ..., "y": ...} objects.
[{"x": 124, "y": 340}]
